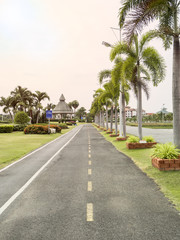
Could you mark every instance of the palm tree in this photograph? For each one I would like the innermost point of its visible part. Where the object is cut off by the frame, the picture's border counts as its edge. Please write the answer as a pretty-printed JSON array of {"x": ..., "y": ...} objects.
[
  {"x": 75, "y": 105},
  {"x": 142, "y": 63},
  {"x": 6, "y": 104},
  {"x": 141, "y": 13},
  {"x": 22, "y": 96},
  {"x": 39, "y": 96}
]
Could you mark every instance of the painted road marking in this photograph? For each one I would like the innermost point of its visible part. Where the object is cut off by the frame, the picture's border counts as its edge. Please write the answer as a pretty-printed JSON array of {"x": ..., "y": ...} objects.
[
  {"x": 89, "y": 155},
  {"x": 89, "y": 171},
  {"x": 89, "y": 162},
  {"x": 90, "y": 212},
  {"x": 89, "y": 186},
  {"x": 13, "y": 198},
  {"x": 89, "y": 151}
]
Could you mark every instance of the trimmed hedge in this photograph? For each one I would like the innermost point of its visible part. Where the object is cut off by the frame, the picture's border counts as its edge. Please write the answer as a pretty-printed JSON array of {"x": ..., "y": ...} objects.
[
  {"x": 63, "y": 126},
  {"x": 6, "y": 128},
  {"x": 19, "y": 127},
  {"x": 40, "y": 129}
]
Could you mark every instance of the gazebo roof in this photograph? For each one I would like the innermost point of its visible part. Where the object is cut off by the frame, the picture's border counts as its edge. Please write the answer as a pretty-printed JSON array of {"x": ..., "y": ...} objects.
[{"x": 62, "y": 107}]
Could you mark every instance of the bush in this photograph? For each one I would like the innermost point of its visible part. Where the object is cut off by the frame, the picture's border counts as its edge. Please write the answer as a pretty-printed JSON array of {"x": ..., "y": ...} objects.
[
  {"x": 21, "y": 118},
  {"x": 63, "y": 126},
  {"x": 40, "y": 129},
  {"x": 19, "y": 127},
  {"x": 166, "y": 151},
  {"x": 132, "y": 139},
  {"x": 6, "y": 128},
  {"x": 148, "y": 139},
  {"x": 58, "y": 128}
]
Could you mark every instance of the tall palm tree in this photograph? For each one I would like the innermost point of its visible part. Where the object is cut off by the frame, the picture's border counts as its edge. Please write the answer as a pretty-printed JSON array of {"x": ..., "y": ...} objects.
[
  {"x": 141, "y": 12},
  {"x": 112, "y": 91},
  {"x": 75, "y": 105},
  {"x": 144, "y": 63},
  {"x": 22, "y": 96},
  {"x": 6, "y": 104},
  {"x": 39, "y": 96}
]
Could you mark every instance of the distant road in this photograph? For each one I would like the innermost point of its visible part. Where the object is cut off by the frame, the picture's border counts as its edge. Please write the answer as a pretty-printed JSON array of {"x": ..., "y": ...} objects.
[{"x": 160, "y": 135}]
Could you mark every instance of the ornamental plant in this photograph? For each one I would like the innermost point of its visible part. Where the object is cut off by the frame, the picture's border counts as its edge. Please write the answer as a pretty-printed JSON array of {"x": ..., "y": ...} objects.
[
  {"x": 21, "y": 118},
  {"x": 148, "y": 139},
  {"x": 166, "y": 151},
  {"x": 132, "y": 139}
]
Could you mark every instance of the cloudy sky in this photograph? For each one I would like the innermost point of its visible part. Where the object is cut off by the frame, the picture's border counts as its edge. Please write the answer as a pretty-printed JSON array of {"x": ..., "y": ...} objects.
[{"x": 56, "y": 46}]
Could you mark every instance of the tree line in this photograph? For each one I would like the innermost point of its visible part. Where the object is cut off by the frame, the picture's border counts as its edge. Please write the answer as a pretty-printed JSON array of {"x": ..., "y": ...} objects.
[{"x": 136, "y": 63}]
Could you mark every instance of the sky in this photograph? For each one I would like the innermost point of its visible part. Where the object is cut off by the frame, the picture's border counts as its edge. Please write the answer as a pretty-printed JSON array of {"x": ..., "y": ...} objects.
[{"x": 55, "y": 46}]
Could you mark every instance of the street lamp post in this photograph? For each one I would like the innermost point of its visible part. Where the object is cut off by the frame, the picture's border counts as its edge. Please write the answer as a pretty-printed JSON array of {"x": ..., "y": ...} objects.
[{"x": 106, "y": 44}]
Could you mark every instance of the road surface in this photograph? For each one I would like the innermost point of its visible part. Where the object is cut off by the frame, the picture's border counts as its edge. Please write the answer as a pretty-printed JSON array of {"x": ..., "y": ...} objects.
[{"x": 80, "y": 187}]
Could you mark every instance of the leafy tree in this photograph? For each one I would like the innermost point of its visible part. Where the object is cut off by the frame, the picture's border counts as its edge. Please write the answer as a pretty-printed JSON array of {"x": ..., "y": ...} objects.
[
  {"x": 39, "y": 96},
  {"x": 135, "y": 14},
  {"x": 6, "y": 104},
  {"x": 75, "y": 104},
  {"x": 21, "y": 118},
  {"x": 22, "y": 96},
  {"x": 81, "y": 112}
]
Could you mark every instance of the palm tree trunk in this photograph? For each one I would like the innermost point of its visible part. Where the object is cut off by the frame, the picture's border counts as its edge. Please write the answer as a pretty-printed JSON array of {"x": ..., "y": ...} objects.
[
  {"x": 106, "y": 117},
  {"x": 124, "y": 115},
  {"x": 139, "y": 111},
  {"x": 116, "y": 127},
  {"x": 111, "y": 125},
  {"x": 103, "y": 118},
  {"x": 176, "y": 91}
]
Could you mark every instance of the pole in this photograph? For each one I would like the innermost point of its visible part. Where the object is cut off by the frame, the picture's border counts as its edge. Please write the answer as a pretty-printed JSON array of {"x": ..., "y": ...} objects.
[{"x": 49, "y": 125}]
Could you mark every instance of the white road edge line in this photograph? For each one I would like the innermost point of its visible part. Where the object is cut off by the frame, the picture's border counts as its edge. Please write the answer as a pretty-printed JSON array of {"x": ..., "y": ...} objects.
[
  {"x": 11, "y": 200},
  {"x": 3, "y": 169}
]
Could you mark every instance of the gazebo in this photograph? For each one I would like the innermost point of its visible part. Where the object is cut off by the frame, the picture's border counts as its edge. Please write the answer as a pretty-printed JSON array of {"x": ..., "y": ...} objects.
[{"x": 62, "y": 110}]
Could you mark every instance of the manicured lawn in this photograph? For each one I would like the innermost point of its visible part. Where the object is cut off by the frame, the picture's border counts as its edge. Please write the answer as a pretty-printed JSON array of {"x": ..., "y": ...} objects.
[
  {"x": 153, "y": 125},
  {"x": 169, "y": 182},
  {"x": 16, "y": 144}
]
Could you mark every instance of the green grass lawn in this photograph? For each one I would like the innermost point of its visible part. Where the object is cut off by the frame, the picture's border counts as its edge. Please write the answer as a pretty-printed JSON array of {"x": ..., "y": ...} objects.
[
  {"x": 153, "y": 125},
  {"x": 169, "y": 182},
  {"x": 16, "y": 144}
]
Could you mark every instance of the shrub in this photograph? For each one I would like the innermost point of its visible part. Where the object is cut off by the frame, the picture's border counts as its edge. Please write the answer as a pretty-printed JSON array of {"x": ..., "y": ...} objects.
[
  {"x": 6, "y": 128},
  {"x": 40, "y": 129},
  {"x": 58, "y": 128},
  {"x": 132, "y": 139},
  {"x": 148, "y": 139},
  {"x": 19, "y": 127},
  {"x": 165, "y": 151},
  {"x": 21, "y": 118},
  {"x": 63, "y": 126}
]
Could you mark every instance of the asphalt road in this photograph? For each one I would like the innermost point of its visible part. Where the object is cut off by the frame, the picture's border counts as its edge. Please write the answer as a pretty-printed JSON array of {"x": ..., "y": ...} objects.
[
  {"x": 88, "y": 191},
  {"x": 160, "y": 135}
]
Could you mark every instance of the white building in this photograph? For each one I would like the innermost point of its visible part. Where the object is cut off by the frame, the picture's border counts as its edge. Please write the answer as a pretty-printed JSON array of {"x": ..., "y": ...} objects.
[{"x": 132, "y": 112}]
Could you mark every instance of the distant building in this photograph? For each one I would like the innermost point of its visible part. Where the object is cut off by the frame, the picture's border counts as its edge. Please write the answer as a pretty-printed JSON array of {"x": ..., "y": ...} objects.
[
  {"x": 132, "y": 112},
  {"x": 62, "y": 110}
]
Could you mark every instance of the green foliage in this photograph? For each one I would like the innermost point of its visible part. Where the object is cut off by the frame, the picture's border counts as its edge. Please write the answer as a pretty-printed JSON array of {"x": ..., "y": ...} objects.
[
  {"x": 63, "y": 126},
  {"x": 132, "y": 139},
  {"x": 6, "y": 128},
  {"x": 166, "y": 151},
  {"x": 40, "y": 129},
  {"x": 21, "y": 118},
  {"x": 19, "y": 127},
  {"x": 148, "y": 139}
]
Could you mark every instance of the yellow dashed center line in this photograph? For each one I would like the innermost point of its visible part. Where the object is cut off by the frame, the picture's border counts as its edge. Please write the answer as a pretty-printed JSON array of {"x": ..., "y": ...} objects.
[
  {"x": 89, "y": 162},
  {"x": 90, "y": 212},
  {"x": 89, "y": 171},
  {"x": 89, "y": 186},
  {"x": 89, "y": 155}
]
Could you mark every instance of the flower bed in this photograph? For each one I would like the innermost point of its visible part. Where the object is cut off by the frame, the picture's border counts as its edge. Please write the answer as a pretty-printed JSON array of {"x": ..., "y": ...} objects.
[
  {"x": 166, "y": 164},
  {"x": 114, "y": 135},
  {"x": 140, "y": 145},
  {"x": 121, "y": 138}
]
